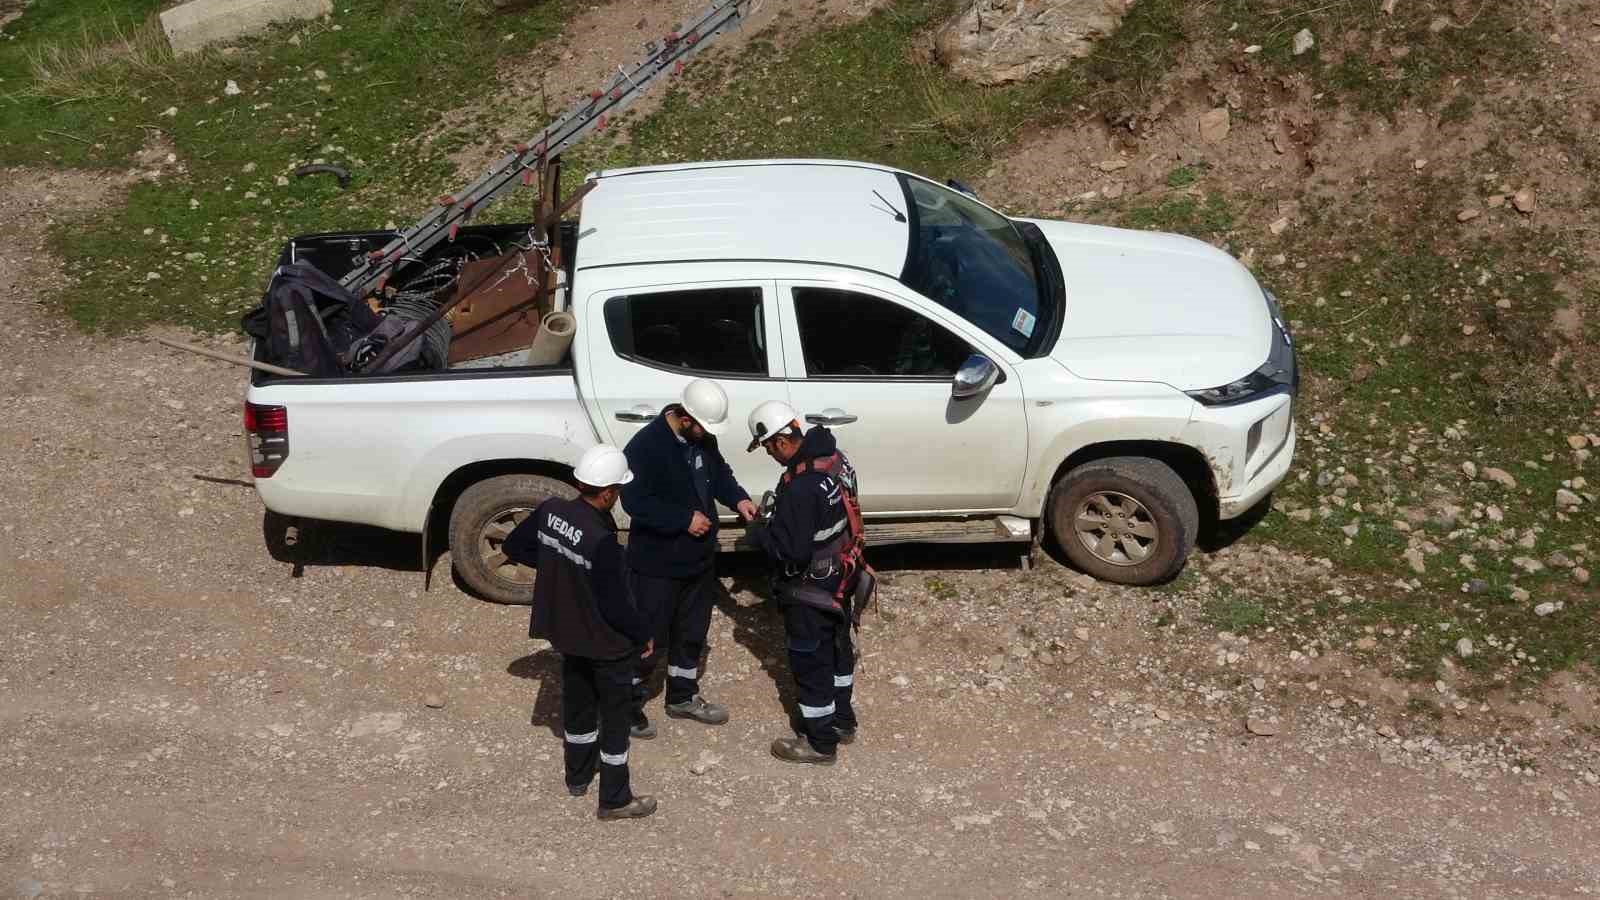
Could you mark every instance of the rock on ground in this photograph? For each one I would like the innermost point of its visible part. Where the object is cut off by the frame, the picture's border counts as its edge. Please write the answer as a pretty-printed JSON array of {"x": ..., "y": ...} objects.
[
  {"x": 199, "y": 23},
  {"x": 1215, "y": 125},
  {"x": 999, "y": 41}
]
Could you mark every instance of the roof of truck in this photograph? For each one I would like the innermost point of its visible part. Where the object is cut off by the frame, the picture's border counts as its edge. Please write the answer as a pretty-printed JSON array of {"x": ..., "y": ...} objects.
[{"x": 821, "y": 211}]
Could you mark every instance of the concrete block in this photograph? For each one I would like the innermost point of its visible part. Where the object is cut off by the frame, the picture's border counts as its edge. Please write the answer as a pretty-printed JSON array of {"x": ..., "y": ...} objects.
[{"x": 200, "y": 22}]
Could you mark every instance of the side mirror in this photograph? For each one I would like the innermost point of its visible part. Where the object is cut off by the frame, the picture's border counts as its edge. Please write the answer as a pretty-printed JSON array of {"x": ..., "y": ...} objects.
[{"x": 975, "y": 377}]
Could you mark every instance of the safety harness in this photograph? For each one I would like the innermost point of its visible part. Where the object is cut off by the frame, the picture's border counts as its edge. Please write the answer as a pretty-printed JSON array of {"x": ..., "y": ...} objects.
[{"x": 847, "y": 551}]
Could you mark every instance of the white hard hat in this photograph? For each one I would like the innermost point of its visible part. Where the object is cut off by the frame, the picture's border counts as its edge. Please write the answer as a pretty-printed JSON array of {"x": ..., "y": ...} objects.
[
  {"x": 707, "y": 403},
  {"x": 768, "y": 419},
  {"x": 602, "y": 466}
]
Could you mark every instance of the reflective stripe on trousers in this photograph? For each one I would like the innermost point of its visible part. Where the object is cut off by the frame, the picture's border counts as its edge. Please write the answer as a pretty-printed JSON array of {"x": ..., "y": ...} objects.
[{"x": 815, "y": 712}]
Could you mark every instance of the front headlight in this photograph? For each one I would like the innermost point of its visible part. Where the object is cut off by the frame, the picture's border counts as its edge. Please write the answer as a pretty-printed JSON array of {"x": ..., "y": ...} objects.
[{"x": 1277, "y": 374}]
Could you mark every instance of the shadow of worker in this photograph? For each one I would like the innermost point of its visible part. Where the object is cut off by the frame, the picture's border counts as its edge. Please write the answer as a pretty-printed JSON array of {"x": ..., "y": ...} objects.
[
  {"x": 757, "y": 622},
  {"x": 543, "y": 666}
]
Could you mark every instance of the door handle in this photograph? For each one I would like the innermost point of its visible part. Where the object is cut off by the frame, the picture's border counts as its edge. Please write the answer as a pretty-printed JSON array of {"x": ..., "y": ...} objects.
[
  {"x": 640, "y": 414},
  {"x": 830, "y": 416}
]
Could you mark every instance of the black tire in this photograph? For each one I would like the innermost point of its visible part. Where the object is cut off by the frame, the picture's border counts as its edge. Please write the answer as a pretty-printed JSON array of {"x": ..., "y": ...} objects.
[
  {"x": 497, "y": 502},
  {"x": 1163, "y": 521}
]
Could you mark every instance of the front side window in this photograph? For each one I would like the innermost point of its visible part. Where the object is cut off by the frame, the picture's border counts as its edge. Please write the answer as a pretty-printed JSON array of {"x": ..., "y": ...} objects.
[
  {"x": 973, "y": 261},
  {"x": 845, "y": 334},
  {"x": 716, "y": 330}
]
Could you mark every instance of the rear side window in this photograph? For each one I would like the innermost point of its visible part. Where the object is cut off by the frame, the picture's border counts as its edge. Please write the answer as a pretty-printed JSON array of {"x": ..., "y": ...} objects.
[
  {"x": 849, "y": 335},
  {"x": 714, "y": 331}
]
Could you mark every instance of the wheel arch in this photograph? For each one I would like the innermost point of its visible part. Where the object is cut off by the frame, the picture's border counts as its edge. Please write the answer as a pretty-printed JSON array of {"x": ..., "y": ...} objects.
[
  {"x": 465, "y": 476},
  {"x": 1190, "y": 464}
]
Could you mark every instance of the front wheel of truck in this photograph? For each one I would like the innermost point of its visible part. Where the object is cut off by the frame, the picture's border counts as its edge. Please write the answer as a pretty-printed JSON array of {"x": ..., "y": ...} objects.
[
  {"x": 1125, "y": 519},
  {"x": 481, "y": 521}
]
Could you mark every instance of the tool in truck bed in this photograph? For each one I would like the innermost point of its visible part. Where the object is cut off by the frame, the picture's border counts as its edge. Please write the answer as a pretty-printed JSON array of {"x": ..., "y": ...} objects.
[{"x": 523, "y": 164}]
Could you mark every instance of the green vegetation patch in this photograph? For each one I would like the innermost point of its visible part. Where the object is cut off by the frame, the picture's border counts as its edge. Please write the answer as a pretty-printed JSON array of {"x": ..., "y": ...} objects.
[
  {"x": 1381, "y": 61},
  {"x": 1435, "y": 416},
  {"x": 866, "y": 91},
  {"x": 1236, "y": 614},
  {"x": 87, "y": 84}
]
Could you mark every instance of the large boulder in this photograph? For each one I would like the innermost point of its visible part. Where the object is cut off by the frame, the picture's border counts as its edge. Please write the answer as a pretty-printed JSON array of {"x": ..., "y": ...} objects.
[
  {"x": 997, "y": 41},
  {"x": 198, "y": 23}
]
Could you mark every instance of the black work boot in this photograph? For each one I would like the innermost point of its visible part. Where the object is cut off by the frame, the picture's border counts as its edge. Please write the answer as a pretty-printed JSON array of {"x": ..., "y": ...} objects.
[
  {"x": 578, "y": 790},
  {"x": 637, "y": 808},
  {"x": 698, "y": 709},
  {"x": 799, "y": 750}
]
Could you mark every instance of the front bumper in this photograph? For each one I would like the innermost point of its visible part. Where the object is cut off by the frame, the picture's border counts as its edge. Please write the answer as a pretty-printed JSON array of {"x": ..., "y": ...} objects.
[{"x": 1249, "y": 447}]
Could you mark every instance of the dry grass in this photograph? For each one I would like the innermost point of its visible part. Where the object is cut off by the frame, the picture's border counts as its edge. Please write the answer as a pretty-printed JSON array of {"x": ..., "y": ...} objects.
[
  {"x": 978, "y": 120},
  {"x": 111, "y": 62}
]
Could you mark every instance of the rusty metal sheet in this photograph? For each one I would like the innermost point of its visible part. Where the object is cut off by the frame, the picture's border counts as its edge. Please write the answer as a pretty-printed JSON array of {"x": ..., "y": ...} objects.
[{"x": 502, "y": 314}]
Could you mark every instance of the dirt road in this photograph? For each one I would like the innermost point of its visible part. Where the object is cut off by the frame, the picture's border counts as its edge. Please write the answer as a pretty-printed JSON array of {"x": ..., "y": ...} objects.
[{"x": 183, "y": 716}]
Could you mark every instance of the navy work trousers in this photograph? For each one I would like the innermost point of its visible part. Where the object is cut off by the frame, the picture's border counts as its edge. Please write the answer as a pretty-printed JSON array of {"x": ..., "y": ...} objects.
[
  {"x": 596, "y": 708},
  {"x": 680, "y": 608},
  {"x": 823, "y": 661}
]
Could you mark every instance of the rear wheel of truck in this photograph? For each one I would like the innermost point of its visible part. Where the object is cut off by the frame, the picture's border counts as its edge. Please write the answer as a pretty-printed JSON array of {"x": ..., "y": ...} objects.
[
  {"x": 1125, "y": 519},
  {"x": 481, "y": 521}
]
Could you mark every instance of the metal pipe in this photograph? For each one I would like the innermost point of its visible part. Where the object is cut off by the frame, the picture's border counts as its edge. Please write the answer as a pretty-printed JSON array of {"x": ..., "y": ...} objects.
[{"x": 230, "y": 358}]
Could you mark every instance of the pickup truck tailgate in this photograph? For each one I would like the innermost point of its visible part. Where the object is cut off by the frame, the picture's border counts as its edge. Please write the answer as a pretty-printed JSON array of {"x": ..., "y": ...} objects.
[{"x": 375, "y": 450}]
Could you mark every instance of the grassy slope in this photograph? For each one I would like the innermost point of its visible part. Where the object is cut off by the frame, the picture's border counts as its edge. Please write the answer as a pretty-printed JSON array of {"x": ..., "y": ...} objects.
[{"x": 355, "y": 90}]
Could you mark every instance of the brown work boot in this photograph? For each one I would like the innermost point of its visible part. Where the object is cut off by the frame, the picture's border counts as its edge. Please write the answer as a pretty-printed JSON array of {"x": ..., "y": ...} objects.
[
  {"x": 637, "y": 808},
  {"x": 799, "y": 750}
]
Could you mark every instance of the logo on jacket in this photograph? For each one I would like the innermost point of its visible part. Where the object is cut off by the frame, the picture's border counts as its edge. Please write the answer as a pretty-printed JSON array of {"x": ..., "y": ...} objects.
[
  {"x": 833, "y": 490},
  {"x": 564, "y": 528}
]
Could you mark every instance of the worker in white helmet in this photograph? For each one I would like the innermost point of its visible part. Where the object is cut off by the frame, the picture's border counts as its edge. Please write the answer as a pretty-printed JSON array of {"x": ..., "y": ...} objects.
[
  {"x": 815, "y": 541},
  {"x": 581, "y": 605},
  {"x": 680, "y": 476}
]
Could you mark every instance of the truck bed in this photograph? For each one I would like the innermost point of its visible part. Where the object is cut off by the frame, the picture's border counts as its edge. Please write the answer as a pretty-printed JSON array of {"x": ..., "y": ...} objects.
[
  {"x": 350, "y": 439},
  {"x": 336, "y": 253}
]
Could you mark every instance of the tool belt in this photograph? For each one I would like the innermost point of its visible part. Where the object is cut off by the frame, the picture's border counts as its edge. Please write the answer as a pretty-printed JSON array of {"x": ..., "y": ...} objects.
[
  {"x": 805, "y": 592},
  {"x": 848, "y": 602}
]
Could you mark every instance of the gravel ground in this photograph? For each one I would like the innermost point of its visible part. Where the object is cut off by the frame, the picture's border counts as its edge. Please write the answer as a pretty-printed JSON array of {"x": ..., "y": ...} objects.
[{"x": 187, "y": 715}]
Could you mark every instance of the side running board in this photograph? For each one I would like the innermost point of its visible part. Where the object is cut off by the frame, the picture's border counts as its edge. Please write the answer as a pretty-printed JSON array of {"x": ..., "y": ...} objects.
[{"x": 981, "y": 530}]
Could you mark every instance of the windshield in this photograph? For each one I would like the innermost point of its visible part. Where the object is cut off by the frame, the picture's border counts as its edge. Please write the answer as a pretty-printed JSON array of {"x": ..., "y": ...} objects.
[{"x": 972, "y": 260}]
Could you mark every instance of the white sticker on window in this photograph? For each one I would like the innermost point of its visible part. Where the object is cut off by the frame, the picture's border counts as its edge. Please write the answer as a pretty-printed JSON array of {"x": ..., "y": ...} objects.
[{"x": 1022, "y": 323}]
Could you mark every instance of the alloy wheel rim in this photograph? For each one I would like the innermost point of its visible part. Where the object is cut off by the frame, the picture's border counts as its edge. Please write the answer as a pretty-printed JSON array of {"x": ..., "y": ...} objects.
[
  {"x": 1116, "y": 528},
  {"x": 491, "y": 546}
]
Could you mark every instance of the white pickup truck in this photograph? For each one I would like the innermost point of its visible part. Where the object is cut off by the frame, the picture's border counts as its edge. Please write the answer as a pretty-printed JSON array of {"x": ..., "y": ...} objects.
[{"x": 992, "y": 379}]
